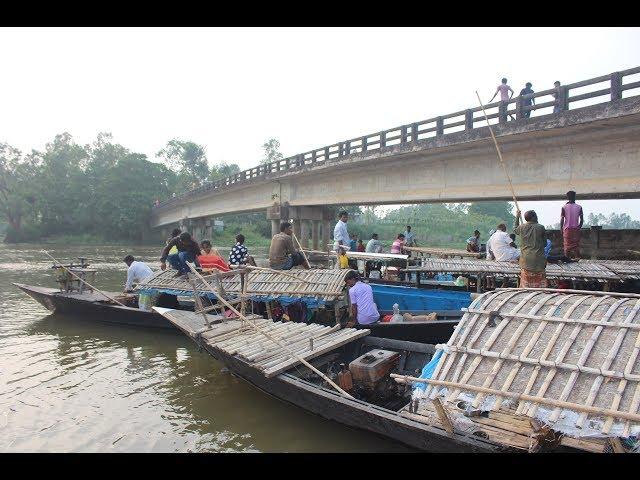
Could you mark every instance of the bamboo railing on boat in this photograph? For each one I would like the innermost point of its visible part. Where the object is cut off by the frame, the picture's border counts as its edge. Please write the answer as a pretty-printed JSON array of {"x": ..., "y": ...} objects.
[
  {"x": 569, "y": 361},
  {"x": 326, "y": 285},
  {"x": 443, "y": 252},
  {"x": 602, "y": 271}
]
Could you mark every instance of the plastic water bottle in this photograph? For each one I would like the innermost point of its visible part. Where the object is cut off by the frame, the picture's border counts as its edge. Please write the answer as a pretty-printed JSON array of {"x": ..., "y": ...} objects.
[{"x": 396, "y": 314}]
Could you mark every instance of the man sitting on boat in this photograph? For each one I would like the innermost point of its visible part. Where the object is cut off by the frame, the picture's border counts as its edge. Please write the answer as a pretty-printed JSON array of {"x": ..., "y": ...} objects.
[
  {"x": 137, "y": 272},
  {"x": 210, "y": 258},
  {"x": 533, "y": 262},
  {"x": 473, "y": 243},
  {"x": 188, "y": 251},
  {"x": 282, "y": 254},
  {"x": 364, "y": 309},
  {"x": 502, "y": 245}
]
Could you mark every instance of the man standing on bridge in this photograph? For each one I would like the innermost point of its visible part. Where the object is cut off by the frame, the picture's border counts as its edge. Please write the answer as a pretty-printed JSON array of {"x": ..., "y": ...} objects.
[
  {"x": 527, "y": 102},
  {"x": 504, "y": 90},
  {"x": 340, "y": 233},
  {"x": 571, "y": 220},
  {"x": 533, "y": 262}
]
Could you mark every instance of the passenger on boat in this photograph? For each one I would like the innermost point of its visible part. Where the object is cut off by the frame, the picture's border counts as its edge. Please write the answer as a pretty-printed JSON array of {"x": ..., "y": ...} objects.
[
  {"x": 571, "y": 219},
  {"x": 410, "y": 237},
  {"x": 532, "y": 259},
  {"x": 473, "y": 243},
  {"x": 398, "y": 244},
  {"x": 353, "y": 242},
  {"x": 174, "y": 233},
  {"x": 374, "y": 245},
  {"x": 363, "y": 307},
  {"x": 136, "y": 273},
  {"x": 188, "y": 251},
  {"x": 360, "y": 247},
  {"x": 210, "y": 258},
  {"x": 282, "y": 254},
  {"x": 239, "y": 254},
  {"x": 502, "y": 246},
  {"x": 340, "y": 233}
]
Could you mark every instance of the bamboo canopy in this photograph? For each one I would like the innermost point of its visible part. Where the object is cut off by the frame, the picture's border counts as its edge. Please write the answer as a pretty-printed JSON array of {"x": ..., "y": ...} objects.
[
  {"x": 568, "y": 360},
  {"x": 584, "y": 270},
  {"x": 322, "y": 284}
]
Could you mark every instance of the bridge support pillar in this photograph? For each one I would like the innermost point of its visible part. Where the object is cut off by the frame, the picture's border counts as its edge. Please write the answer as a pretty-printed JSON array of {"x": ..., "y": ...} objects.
[
  {"x": 304, "y": 233},
  {"x": 326, "y": 234},
  {"x": 315, "y": 232}
]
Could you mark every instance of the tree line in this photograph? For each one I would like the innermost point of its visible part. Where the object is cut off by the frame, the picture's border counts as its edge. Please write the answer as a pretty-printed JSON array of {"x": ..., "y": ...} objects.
[{"x": 101, "y": 189}]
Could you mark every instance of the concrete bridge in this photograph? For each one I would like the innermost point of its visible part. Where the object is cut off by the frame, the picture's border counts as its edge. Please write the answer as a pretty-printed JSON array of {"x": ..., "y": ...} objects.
[{"x": 594, "y": 150}]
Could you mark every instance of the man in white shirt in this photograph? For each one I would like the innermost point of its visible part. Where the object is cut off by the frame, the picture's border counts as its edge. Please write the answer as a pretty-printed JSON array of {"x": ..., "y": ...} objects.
[
  {"x": 340, "y": 234},
  {"x": 136, "y": 273},
  {"x": 502, "y": 245},
  {"x": 374, "y": 245}
]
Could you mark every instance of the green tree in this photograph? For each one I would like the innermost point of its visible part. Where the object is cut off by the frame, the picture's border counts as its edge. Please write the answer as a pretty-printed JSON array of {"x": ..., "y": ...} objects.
[
  {"x": 271, "y": 151},
  {"x": 500, "y": 210},
  {"x": 188, "y": 160},
  {"x": 223, "y": 170},
  {"x": 17, "y": 182}
]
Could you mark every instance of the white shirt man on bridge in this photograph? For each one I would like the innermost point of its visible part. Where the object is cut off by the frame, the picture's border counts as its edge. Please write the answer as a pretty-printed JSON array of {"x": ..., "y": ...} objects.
[{"x": 341, "y": 237}]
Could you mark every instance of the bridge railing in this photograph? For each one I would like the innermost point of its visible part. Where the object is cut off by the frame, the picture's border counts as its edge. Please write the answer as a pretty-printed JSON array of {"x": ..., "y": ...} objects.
[{"x": 463, "y": 120}]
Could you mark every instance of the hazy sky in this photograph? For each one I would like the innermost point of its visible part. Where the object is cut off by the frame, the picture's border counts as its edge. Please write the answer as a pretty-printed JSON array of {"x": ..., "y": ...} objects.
[{"x": 230, "y": 89}]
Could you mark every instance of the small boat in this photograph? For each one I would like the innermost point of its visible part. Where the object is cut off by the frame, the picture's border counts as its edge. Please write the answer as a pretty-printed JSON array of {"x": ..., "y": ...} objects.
[{"x": 94, "y": 306}]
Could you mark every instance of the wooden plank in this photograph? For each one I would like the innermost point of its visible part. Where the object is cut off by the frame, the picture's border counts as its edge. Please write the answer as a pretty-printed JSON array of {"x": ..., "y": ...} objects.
[{"x": 316, "y": 352}]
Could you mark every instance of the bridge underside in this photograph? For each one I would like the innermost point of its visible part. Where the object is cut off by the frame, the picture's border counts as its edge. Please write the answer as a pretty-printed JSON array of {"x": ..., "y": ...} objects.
[{"x": 594, "y": 151}]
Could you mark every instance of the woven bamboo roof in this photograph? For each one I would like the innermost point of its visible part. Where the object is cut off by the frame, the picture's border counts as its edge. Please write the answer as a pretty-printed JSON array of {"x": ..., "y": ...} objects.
[
  {"x": 574, "y": 355},
  {"x": 322, "y": 284},
  {"x": 443, "y": 252},
  {"x": 587, "y": 270}
]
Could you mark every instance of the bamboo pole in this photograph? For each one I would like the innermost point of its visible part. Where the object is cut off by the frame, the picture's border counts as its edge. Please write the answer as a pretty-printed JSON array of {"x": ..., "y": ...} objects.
[
  {"x": 83, "y": 280},
  {"x": 279, "y": 272},
  {"x": 634, "y": 417},
  {"x": 495, "y": 142},
  {"x": 297, "y": 357},
  {"x": 301, "y": 250}
]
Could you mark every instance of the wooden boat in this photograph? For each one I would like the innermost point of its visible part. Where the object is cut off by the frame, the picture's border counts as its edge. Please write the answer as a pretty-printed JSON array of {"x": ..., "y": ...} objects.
[
  {"x": 298, "y": 385},
  {"x": 585, "y": 397},
  {"x": 95, "y": 307}
]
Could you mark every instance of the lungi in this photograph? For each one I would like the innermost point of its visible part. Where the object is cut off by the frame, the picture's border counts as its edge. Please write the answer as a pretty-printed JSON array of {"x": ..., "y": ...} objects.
[
  {"x": 571, "y": 241},
  {"x": 530, "y": 279}
]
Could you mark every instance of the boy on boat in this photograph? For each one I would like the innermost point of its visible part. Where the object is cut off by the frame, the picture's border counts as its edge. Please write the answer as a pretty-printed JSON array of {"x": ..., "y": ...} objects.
[
  {"x": 363, "y": 308},
  {"x": 211, "y": 259},
  {"x": 533, "y": 262},
  {"x": 473, "y": 243},
  {"x": 282, "y": 254},
  {"x": 239, "y": 254},
  {"x": 188, "y": 251},
  {"x": 571, "y": 220}
]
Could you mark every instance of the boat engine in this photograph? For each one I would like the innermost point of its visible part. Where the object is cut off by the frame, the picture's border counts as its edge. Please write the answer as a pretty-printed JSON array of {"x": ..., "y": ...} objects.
[{"x": 370, "y": 375}]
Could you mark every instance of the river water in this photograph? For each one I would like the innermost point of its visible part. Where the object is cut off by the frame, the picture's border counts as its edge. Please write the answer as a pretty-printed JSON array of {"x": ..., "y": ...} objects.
[{"x": 74, "y": 385}]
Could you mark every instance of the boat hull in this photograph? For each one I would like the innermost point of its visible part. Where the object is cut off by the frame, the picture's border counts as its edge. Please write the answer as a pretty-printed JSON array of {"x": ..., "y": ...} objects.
[
  {"x": 352, "y": 412},
  {"x": 86, "y": 307}
]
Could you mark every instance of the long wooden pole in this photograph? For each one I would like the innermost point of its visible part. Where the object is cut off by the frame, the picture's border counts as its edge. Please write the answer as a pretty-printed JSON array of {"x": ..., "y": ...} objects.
[
  {"x": 277, "y": 342},
  {"x": 495, "y": 142},
  {"x": 301, "y": 250},
  {"x": 521, "y": 396},
  {"x": 83, "y": 280}
]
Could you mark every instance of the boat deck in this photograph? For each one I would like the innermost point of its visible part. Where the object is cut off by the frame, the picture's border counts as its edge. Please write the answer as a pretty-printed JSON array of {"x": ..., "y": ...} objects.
[{"x": 254, "y": 342}]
